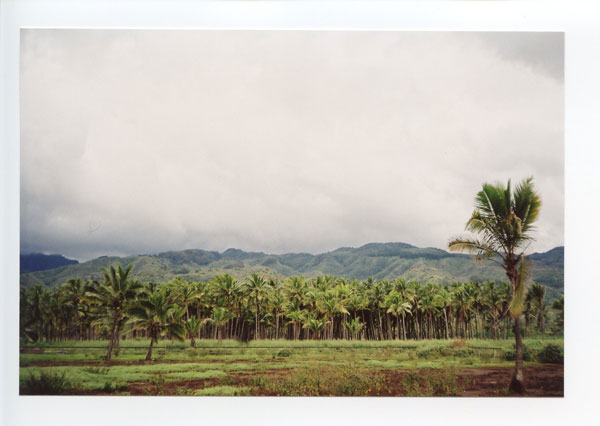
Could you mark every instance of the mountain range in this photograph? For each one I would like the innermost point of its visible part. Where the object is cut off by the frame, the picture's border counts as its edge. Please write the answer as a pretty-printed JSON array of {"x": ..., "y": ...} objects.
[{"x": 375, "y": 260}]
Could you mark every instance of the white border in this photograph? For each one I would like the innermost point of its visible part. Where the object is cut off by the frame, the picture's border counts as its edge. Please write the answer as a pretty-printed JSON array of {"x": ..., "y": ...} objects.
[{"x": 581, "y": 22}]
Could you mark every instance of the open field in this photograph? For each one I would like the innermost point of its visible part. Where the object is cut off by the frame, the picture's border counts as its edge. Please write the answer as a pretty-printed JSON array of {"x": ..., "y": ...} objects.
[{"x": 278, "y": 367}]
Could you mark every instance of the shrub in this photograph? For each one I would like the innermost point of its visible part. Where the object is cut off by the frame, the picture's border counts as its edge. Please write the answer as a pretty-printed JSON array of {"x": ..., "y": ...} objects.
[
  {"x": 46, "y": 383},
  {"x": 434, "y": 352},
  {"x": 113, "y": 387},
  {"x": 432, "y": 383},
  {"x": 347, "y": 381},
  {"x": 551, "y": 354},
  {"x": 284, "y": 353},
  {"x": 412, "y": 384},
  {"x": 463, "y": 352},
  {"x": 509, "y": 355}
]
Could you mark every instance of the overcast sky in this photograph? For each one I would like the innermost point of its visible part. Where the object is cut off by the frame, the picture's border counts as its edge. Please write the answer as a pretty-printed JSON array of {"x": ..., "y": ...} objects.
[{"x": 141, "y": 141}]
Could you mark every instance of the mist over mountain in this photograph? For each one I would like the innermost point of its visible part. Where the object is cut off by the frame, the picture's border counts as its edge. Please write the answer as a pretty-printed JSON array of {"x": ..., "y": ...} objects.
[{"x": 374, "y": 260}]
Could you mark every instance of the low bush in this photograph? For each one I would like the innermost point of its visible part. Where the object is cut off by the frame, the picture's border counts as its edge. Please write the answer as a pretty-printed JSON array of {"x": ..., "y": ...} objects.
[
  {"x": 46, "y": 383},
  {"x": 510, "y": 354},
  {"x": 432, "y": 383},
  {"x": 463, "y": 352},
  {"x": 110, "y": 387},
  {"x": 284, "y": 353},
  {"x": 428, "y": 353},
  {"x": 339, "y": 381},
  {"x": 551, "y": 354}
]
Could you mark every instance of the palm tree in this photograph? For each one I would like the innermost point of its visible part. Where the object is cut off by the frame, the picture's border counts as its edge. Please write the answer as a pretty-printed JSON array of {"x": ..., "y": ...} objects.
[
  {"x": 154, "y": 314},
  {"x": 538, "y": 293},
  {"x": 442, "y": 300},
  {"x": 504, "y": 220},
  {"x": 559, "y": 305},
  {"x": 399, "y": 307},
  {"x": 72, "y": 296},
  {"x": 315, "y": 325},
  {"x": 257, "y": 289},
  {"x": 354, "y": 326},
  {"x": 220, "y": 317},
  {"x": 193, "y": 326},
  {"x": 114, "y": 296}
]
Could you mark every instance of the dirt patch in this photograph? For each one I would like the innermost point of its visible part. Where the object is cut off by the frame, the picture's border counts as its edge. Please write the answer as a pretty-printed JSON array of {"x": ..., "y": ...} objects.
[
  {"x": 543, "y": 380},
  {"x": 170, "y": 388}
]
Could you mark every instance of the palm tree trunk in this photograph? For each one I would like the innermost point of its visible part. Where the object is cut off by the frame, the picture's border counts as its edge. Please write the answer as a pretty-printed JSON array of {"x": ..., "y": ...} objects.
[
  {"x": 380, "y": 325},
  {"x": 112, "y": 339},
  {"x": 446, "y": 322},
  {"x": 149, "y": 355},
  {"x": 516, "y": 384}
]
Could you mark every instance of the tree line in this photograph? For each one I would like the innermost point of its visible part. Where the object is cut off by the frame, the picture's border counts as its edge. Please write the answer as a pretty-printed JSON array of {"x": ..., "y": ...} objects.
[{"x": 296, "y": 308}]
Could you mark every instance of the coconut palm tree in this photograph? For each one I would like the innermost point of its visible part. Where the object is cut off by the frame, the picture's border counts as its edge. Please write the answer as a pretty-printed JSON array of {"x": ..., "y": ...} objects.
[
  {"x": 397, "y": 306},
  {"x": 354, "y": 326},
  {"x": 114, "y": 296},
  {"x": 315, "y": 325},
  {"x": 559, "y": 305},
  {"x": 257, "y": 288},
  {"x": 503, "y": 219},
  {"x": 154, "y": 314},
  {"x": 538, "y": 293},
  {"x": 220, "y": 317}
]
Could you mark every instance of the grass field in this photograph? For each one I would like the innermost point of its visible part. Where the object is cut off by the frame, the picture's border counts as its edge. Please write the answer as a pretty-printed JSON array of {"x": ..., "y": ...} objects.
[{"x": 293, "y": 368}]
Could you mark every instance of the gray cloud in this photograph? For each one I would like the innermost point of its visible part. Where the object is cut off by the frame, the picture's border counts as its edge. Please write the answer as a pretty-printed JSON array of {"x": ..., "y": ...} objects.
[
  {"x": 541, "y": 51},
  {"x": 136, "y": 141}
]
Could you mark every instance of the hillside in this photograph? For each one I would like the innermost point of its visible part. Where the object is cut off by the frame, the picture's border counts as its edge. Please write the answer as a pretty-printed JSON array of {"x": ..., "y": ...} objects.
[{"x": 376, "y": 260}]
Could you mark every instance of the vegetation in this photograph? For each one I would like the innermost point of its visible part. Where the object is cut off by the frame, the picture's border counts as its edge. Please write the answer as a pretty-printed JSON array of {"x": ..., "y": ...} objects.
[
  {"x": 45, "y": 383},
  {"x": 321, "y": 308},
  {"x": 272, "y": 367},
  {"x": 504, "y": 221}
]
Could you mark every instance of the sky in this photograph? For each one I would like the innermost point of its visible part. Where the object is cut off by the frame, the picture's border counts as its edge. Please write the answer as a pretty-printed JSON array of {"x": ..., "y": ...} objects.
[{"x": 143, "y": 141}]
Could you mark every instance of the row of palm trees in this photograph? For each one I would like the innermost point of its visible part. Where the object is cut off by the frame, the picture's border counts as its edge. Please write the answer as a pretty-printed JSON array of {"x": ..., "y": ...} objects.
[{"x": 325, "y": 307}]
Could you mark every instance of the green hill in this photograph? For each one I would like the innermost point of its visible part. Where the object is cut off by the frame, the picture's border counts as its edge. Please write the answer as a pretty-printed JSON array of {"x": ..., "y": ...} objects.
[{"x": 376, "y": 260}]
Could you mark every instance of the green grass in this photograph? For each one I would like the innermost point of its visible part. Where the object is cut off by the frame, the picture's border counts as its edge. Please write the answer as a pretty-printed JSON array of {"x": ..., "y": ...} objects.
[
  {"x": 85, "y": 370},
  {"x": 223, "y": 391}
]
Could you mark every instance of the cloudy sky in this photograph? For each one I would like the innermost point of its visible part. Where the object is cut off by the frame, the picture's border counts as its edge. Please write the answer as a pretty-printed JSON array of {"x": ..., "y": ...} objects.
[{"x": 141, "y": 141}]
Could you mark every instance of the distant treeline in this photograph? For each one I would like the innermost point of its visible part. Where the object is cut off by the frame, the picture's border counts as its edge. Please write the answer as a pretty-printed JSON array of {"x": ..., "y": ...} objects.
[{"x": 325, "y": 307}]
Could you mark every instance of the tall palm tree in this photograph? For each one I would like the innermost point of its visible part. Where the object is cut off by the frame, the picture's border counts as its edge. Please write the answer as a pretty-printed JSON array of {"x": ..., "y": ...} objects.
[
  {"x": 114, "y": 296},
  {"x": 559, "y": 305},
  {"x": 72, "y": 297},
  {"x": 538, "y": 293},
  {"x": 504, "y": 220},
  {"x": 257, "y": 289},
  {"x": 154, "y": 314},
  {"x": 399, "y": 307},
  {"x": 220, "y": 317}
]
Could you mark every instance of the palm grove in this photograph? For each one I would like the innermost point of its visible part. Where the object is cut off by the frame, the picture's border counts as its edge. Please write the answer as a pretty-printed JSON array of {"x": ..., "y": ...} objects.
[{"x": 325, "y": 307}]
